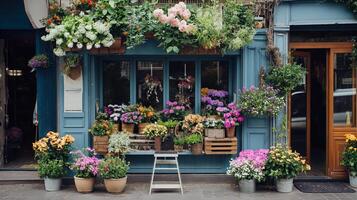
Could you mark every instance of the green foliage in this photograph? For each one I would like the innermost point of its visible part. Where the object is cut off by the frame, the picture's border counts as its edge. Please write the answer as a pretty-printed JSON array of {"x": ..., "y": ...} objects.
[
  {"x": 238, "y": 25},
  {"x": 71, "y": 61},
  {"x": 113, "y": 168},
  {"x": 119, "y": 144},
  {"x": 102, "y": 128},
  {"x": 284, "y": 163},
  {"x": 51, "y": 168},
  {"x": 194, "y": 139},
  {"x": 285, "y": 78},
  {"x": 349, "y": 156},
  {"x": 169, "y": 124},
  {"x": 180, "y": 141}
]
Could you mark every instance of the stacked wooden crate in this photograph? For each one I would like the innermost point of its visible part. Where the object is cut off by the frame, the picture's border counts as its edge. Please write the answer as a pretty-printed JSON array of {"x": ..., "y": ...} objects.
[
  {"x": 221, "y": 146},
  {"x": 141, "y": 142}
]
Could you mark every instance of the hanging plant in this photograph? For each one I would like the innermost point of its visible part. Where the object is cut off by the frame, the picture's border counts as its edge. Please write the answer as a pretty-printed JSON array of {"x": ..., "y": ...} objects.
[
  {"x": 73, "y": 66},
  {"x": 38, "y": 61},
  {"x": 285, "y": 78},
  {"x": 152, "y": 87}
]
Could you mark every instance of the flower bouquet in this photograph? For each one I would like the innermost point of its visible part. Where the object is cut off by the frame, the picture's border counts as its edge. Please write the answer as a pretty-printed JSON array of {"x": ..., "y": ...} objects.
[{"x": 213, "y": 101}]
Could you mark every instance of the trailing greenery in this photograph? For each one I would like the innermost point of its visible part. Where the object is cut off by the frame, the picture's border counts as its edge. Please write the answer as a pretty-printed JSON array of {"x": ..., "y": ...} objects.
[
  {"x": 113, "y": 168},
  {"x": 285, "y": 78},
  {"x": 169, "y": 124},
  {"x": 51, "y": 168}
]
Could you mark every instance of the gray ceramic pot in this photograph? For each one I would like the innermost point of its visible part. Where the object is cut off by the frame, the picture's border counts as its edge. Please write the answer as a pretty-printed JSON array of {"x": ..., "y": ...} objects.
[
  {"x": 52, "y": 184},
  {"x": 284, "y": 185},
  {"x": 247, "y": 186}
]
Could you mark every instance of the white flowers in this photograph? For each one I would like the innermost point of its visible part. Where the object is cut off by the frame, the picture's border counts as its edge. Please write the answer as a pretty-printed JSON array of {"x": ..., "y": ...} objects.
[{"x": 79, "y": 31}]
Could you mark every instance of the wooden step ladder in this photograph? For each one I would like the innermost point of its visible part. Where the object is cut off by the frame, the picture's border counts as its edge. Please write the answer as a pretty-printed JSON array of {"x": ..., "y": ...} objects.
[{"x": 166, "y": 159}]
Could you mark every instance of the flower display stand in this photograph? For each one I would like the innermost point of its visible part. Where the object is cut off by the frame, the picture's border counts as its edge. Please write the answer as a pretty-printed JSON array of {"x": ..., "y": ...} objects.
[
  {"x": 100, "y": 144},
  {"x": 141, "y": 142},
  {"x": 221, "y": 146}
]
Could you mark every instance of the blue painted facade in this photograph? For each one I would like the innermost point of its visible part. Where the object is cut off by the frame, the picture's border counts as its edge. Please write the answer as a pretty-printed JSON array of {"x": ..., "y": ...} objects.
[{"x": 243, "y": 71}]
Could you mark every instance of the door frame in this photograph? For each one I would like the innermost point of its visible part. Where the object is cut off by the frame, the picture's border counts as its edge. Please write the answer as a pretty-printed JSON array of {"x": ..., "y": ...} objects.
[{"x": 331, "y": 47}]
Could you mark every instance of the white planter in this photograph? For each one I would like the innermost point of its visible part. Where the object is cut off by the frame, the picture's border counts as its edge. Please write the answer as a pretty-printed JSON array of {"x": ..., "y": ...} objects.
[
  {"x": 247, "y": 186},
  {"x": 353, "y": 181},
  {"x": 284, "y": 185},
  {"x": 52, "y": 184}
]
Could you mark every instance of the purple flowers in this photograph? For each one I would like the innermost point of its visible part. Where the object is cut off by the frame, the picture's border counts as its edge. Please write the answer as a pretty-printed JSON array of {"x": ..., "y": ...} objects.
[
  {"x": 39, "y": 61},
  {"x": 131, "y": 117},
  {"x": 233, "y": 117},
  {"x": 85, "y": 163},
  {"x": 217, "y": 93},
  {"x": 212, "y": 100}
]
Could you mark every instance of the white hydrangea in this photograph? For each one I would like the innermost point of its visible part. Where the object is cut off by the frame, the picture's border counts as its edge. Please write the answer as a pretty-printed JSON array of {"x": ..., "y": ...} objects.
[
  {"x": 59, "y": 41},
  {"x": 59, "y": 52},
  {"x": 79, "y": 45},
  {"x": 97, "y": 45},
  {"x": 101, "y": 28},
  {"x": 90, "y": 35},
  {"x": 70, "y": 45},
  {"x": 89, "y": 46}
]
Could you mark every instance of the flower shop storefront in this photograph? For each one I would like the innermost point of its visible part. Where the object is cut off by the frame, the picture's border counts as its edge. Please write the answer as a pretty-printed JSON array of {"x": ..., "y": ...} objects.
[{"x": 148, "y": 76}]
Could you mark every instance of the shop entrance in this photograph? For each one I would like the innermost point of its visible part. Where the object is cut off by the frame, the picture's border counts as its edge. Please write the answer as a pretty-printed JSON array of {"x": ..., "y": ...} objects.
[
  {"x": 17, "y": 99},
  {"x": 308, "y": 110}
]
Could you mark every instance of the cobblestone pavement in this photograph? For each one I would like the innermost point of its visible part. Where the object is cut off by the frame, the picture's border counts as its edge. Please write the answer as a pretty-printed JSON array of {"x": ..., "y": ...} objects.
[{"x": 139, "y": 191}]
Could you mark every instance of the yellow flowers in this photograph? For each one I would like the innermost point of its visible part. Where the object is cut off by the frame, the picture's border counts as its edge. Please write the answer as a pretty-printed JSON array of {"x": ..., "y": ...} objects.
[
  {"x": 350, "y": 137},
  {"x": 53, "y": 141},
  {"x": 204, "y": 91}
]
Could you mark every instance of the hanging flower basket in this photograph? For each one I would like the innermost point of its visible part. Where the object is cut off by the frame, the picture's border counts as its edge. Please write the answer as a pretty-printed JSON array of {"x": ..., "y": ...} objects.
[
  {"x": 115, "y": 48},
  {"x": 38, "y": 61},
  {"x": 73, "y": 66}
]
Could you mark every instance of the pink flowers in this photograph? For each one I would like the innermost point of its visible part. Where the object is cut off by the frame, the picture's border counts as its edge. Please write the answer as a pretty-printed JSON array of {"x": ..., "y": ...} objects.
[
  {"x": 85, "y": 164},
  {"x": 233, "y": 117},
  {"x": 177, "y": 16}
]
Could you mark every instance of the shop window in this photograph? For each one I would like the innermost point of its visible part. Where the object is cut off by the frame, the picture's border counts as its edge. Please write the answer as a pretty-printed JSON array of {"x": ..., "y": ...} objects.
[
  {"x": 116, "y": 84},
  {"x": 182, "y": 83},
  {"x": 150, "y": 83}
]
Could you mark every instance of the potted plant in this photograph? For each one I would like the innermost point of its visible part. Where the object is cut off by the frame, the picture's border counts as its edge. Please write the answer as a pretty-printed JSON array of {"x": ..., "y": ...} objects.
[
  {"x": 114, "y": 113},
  {"x": 214, "y": 128},
  {"x": 101, "y": 130},
  {"x": 119, "y": 144},
  {"x": 51, "y": 153},
  {"x": 349, "y": 158},
  {"x": 213, "y": 102},
  {"x": 85, "y": 167},
  {"x": 113, "y": 170},
  {"x": 284, "y": 165},
  {"x": 193, "y": 124},
  {"x": 38, "y": 61},
  {"x": 148, "y": 116},
  {"x": 73, "y": 66},
  {"x": 232, "y": 118},
  {"x": 174, "y": 111},
  {"x": 195, "y": 141},
  {"x": 248, "y": 168},
  {"x": 157, "y": 132},
  {"x": 129, "y": 119},
  {"x": 179, "y": 142}
]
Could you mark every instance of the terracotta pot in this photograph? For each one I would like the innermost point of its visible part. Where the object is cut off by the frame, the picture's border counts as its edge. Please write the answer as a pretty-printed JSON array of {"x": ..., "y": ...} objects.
[
  {"x": 141, "y": 127},
  {"x": 75, "y": 72},
  {"x": 84, "y": 185},
  {"x": 100, "y": 144},
  {"x": 127, "y": 127},
  {"x": 157, "y": 143},
  {"x": 197, "y": 149},
  {"x": 115, "y": 185},
  {"x": 178, "y": 148},
  {"x": 231, "y": 132}
]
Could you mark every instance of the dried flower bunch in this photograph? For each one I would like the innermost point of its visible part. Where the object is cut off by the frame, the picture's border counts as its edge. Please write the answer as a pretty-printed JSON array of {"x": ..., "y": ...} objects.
[{"x": 193, "y": 124}]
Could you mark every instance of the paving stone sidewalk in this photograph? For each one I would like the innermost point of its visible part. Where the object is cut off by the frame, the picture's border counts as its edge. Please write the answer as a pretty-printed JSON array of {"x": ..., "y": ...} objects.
[{"x": 139, "y": 191}]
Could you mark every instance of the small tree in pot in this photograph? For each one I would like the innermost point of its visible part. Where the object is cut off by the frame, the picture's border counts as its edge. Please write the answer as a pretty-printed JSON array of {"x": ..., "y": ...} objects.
[
  {"x": 113, "y": 170},
  {"x": 284, "y": 165},
  {"x": 157, "y": 132}
]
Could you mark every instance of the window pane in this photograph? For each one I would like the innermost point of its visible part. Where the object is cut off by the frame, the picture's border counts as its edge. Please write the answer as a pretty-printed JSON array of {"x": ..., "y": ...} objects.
[
  {"x": 116, "y": 82},
  {"x": 344, "y": 90},
  {"x": 149, "y": 83},
  {"x": 214, "y": 75},
  {"x": 182, "y": 83}
]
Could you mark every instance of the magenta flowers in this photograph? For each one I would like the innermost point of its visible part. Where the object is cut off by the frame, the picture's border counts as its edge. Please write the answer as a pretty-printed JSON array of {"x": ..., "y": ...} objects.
[
  {"x": 131, "y": 117},
  {"x": 85, "y": 163},
  {"x": 233, "y": 116},
  {"x": 174, "y": 111}
]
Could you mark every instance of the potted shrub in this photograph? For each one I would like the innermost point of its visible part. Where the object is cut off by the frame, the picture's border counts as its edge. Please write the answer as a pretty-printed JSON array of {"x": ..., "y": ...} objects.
[
  {"x": 85, "y": 167},
  {"x": 119, "y": 144},
  {"x": 349, "y": 158},
  {"x": 114, "y": 113},
  {"x": 129, "y": 119},
  {"x": 51, "y": 153},
  {"x": 284, "y": 165},
  {"x": 232, "y": 118},
  {"x": 148, "y": 117},
  {"x": 38, "y": 61},
  {"x": 248, "y": 168},
  {"x": 195, "y": 141},
  {"x": 113, "y": 170},
  {"x": 157, "y": 132},
  {"x": 101, "y": 130},
  {"x": 179, "y": 142},
  {"x": 214, "y": 128}
]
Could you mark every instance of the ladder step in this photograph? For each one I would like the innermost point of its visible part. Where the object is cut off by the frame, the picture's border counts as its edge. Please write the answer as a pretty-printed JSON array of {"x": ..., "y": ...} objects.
[
  {"x": 166, "y": 162},
  {"x": 165, "y": 155},
  {"x": 166, "y": 186},
  {"x": 165, "y": 168}
]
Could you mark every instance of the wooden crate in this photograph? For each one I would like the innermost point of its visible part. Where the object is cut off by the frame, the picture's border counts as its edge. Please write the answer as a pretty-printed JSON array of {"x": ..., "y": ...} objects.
[
  {"x": 220, "y": 146},
  {"x": 141, "y": 142},
  {"x": 100, "y": 144}
]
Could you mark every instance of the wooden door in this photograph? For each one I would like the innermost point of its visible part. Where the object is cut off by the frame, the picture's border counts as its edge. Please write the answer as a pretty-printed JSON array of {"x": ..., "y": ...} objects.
[
  {"x": 2, "y": 101},
  {"x": 342, "y": 106},
  {"x": 300, "y": 109}
]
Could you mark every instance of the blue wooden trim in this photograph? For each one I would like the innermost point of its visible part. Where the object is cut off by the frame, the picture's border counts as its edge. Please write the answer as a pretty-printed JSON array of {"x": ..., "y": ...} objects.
[
  {"x": 166, "y": 83},
  {"x": 230, "y": 79},
  {"x": 86, "y": 93},
  {"x": 132, "y": 73},
  {"x": 198, "y": 86}
]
